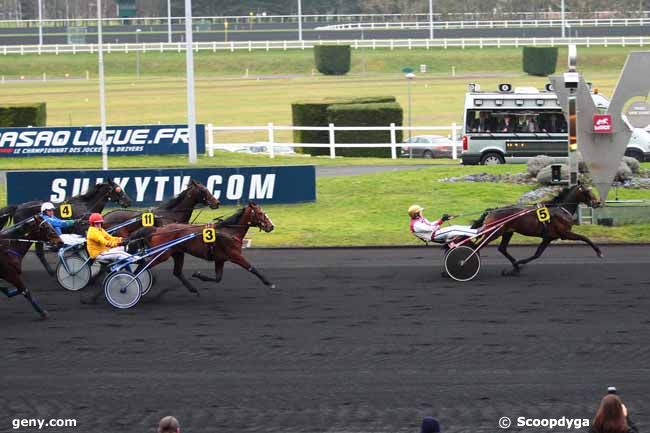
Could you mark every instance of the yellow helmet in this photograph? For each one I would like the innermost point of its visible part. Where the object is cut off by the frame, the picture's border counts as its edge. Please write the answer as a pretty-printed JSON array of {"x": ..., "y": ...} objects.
[{"x": 414, "y": 210}]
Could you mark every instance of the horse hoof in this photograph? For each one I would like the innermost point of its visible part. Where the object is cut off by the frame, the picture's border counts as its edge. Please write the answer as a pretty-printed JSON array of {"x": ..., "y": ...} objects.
[
  {"x": 44, "y": 315},
  {"x": 196, "y": 275},
  {"x": 510, "y": 273},
  {"x": 601, "y": 255},
  {"x": 444, "y": 274},
  {"x": 272, "y": 286}
]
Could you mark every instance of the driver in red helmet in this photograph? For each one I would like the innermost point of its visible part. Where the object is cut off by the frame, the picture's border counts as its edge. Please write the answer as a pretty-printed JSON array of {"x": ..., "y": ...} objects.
[{"x": 101, "y": 244}]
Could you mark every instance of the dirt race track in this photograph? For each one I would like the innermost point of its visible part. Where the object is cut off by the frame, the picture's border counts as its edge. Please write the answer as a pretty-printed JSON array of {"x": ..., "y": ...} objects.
[{"x": 359, "y": 340}]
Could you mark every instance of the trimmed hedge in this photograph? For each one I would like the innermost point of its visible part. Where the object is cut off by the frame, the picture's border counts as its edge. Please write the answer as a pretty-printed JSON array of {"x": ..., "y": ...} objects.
[
  {"x": 23, "y": 115},
  {"x": 332, "y": 59},
  {"x": 314, "y": 113},
  {"x": 377, "y": 114},
  {"x": 540, "y": 61}
]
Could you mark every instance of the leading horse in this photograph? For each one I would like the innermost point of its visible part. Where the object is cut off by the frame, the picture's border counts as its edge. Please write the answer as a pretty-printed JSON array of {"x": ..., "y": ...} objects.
[
  {"x": 14, "y": 244},
  {"x": 561, "y": 209},
  {"x": 81, "y": 205},
  {"x": 227, "y": 246}
]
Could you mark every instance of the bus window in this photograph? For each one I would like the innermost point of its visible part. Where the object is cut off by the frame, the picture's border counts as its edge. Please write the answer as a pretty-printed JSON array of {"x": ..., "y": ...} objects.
[
  {"x": 553, "y": 123},
  {"x": 480, "y": 121}
]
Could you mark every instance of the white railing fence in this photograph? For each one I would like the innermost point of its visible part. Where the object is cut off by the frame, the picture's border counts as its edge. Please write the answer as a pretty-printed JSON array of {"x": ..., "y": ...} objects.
[
  {"x": 354, "y": 43},
  {"x": 489, "y": 24},
  {"x": 213, "y": 143}
]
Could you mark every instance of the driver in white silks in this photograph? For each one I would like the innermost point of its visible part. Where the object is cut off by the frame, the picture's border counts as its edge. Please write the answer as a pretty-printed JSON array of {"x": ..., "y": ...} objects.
[
  {"x": 431, "y": 232},
  {"x": 47, "y": 212}
]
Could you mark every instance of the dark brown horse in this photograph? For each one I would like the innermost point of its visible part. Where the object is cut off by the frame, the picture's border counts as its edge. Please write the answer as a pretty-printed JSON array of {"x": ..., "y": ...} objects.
[
  {"x": 176, "y": 210},
  {"x": 561, "y": 209},
  {"x": 14, "y": 244},
  {"x": 227, "y": 247},
  {"x": 82, "y": 205}
]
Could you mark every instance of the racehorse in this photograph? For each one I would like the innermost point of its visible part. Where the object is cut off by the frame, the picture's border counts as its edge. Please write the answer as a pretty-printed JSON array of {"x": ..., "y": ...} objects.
[
  {"x": 176, "y": 210},
  {"x": 14, "y": 244},
  {"x": 227, "y": 246},
  {"x": 561, "y": 209},
  {"x": 81, "y": 205}
]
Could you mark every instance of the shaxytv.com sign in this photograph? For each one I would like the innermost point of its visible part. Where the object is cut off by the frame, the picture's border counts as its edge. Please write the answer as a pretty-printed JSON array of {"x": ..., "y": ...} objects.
[{"x": 293, "y": 184}]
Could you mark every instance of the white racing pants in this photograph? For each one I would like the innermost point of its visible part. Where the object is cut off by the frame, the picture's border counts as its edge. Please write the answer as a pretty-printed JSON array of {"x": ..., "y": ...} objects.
[
  {"x": 446, "y": 234},
  {"x": 112, "y": 255}
]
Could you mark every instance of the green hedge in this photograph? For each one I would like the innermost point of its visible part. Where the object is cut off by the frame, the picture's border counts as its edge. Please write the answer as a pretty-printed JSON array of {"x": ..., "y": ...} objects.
[
  {"x": 332, "y": 59},
  {"x": 377, "y": 114},
  {"x": 22, "y": 115},
  {"x": 314, "y": 113},
  {"x": 540, "y": 60}
]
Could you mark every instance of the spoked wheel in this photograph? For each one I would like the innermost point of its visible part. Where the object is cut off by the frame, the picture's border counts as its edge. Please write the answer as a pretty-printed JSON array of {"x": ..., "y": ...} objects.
[
  {"x": 146, "y": 279},
  {"x": 122, "y": 289},
  {"x": 78, "y": 276},
  {"x": 462, "y": 263}
]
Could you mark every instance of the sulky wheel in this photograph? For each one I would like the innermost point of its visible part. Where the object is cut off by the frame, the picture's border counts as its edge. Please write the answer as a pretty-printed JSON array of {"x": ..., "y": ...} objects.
[
  {"x": 122, "y": 289},
  {"x": 462, "y": 263},
  {"x": 76, "y": 277},
  {"x": 146, "y": 279}
]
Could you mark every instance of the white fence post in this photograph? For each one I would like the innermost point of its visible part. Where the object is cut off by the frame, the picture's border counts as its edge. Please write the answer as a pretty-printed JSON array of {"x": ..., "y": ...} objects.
[
  {"x": 332, "y": 142},
  {"x": 454, "y": 139},
  {"x": 271, "y": 140},
  {"x": 393, "y": 142},
  {"x": 209, "y": 132}
]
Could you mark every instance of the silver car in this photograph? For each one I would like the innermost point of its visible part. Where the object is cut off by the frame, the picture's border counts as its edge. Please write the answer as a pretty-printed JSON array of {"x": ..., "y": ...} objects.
[{"x": 428, "y": 146}]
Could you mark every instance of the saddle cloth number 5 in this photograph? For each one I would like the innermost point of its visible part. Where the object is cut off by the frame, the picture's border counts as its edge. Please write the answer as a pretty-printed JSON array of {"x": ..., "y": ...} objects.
[{"x": 543, "y": 215}]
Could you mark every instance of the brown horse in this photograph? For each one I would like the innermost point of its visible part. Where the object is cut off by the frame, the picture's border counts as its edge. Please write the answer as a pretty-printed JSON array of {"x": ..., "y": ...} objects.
[
  {"x": 14, "y": 244},
  {"x": 561, "y": 209},
  {"x": 176, "y": 210},
  {"x": 227, "y": 246}
]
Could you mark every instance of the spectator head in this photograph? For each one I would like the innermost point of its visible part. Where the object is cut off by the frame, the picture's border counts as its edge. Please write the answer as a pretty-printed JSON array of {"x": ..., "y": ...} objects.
[
  {"x": 169, "y": 424},
  {"x": 610, "y": 417},
  {"x": 430, "y": 425}
]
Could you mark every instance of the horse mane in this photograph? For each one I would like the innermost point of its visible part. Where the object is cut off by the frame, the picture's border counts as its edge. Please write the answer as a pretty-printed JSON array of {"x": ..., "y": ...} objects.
[
  {"x": 91, "y": 191},
  {"x": 561, "y": 197},
  {"x": 174, "y": 201},
  {"x": 232, "y": 220}
]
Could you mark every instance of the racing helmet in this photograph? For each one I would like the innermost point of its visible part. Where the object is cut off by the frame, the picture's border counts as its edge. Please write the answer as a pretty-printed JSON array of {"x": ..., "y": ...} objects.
[
  {"x": 46, "y": 206},
  {"x": 414, "y": 210},
  {"x": 95, "y": 218}
]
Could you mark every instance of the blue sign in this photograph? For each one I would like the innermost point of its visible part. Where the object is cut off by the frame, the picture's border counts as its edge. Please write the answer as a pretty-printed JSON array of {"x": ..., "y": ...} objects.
[
  {"x": 120, "y": 140},
  {"x": 283, "y": 184}
]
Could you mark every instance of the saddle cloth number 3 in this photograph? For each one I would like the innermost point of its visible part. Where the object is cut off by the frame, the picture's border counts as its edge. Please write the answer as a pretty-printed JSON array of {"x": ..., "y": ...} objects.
[
  {"x": 543, "y": 215},
  {"x": 209, "y": 235}
]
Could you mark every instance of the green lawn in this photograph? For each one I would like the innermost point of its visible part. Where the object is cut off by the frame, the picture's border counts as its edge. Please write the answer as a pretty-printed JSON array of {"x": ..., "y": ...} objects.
[{"x": 223, "y": 97}]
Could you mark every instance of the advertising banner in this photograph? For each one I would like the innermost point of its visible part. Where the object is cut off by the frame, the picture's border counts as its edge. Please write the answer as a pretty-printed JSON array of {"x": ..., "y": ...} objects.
[
  {"x": 120, "y": 140},
  {"x": 147, "y": 187}
]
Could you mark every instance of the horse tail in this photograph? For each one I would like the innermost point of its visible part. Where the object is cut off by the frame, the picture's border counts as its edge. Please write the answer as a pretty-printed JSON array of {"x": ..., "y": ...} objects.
[{"x": 7, "y": 214}]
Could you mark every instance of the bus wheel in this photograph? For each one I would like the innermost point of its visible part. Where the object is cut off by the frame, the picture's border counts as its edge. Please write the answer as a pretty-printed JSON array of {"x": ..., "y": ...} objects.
[{"x": 492, "y": 158}]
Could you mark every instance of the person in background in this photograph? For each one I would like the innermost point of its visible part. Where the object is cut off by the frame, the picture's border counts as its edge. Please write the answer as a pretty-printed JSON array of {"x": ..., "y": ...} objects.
[
  {"x": 169, "y": 424},
  {"x": 530, "y": 125},
  {"x": 430, "y": 425},
  {"x": 508, "y": 124},
  {"x": 483, "y": 123},
  {"x": 612, "y": 417}
]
